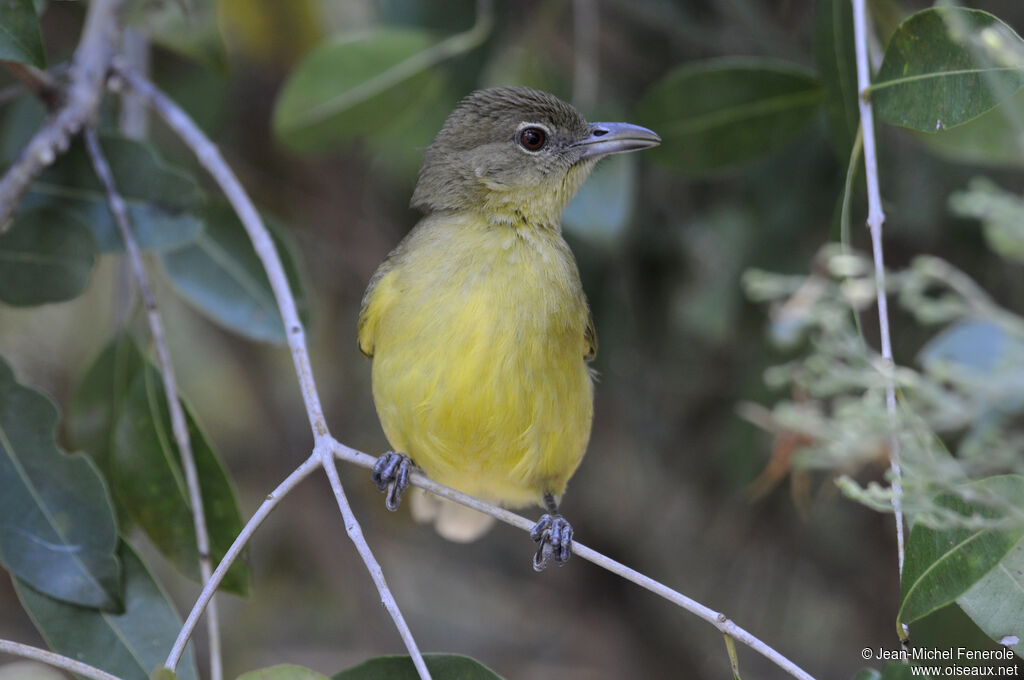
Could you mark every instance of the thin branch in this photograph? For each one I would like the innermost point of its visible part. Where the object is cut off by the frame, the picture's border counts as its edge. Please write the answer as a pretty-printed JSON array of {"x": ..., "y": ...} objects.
[
  {"x": 84, "y": 93},
  {"x": 717, "y": 619},
  {"x": 134, "y": 115},
  {"x": 876, "y": 217},
  {"x": 271, "y": 501},
  {"x": 54, "y": 659},
  {"x": 210, "y": 158},
  {"x": 179, "y": 425},
  {"x": 355, "y": 532}
]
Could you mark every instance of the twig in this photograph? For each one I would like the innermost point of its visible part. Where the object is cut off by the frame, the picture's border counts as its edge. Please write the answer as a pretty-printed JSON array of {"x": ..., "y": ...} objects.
[
  {"x": 325, "y": 448},
  {"x": 91, "y": 61},
  {"x": 210, "y": 158},
  {"x": 134, "y": 119},
  {"x": 54, "y": 659},
  {"x": 717, "y": 619},
  {"x": 178, "y": 424},
  {"x": 876, "y": 217},
  {"x": 271, "y": 501}
]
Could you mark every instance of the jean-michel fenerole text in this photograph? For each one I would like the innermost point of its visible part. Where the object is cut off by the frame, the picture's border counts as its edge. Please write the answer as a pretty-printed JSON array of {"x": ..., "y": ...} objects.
[{"x": 935, "y": 654}]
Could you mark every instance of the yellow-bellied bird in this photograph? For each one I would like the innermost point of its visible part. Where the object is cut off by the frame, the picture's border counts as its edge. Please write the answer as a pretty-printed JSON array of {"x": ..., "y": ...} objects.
[{"x": 477, "y": 323}]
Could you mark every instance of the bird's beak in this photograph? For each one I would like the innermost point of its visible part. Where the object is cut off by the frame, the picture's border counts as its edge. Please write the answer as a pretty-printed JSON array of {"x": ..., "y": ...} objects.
[{"x": 609, "y": 138}]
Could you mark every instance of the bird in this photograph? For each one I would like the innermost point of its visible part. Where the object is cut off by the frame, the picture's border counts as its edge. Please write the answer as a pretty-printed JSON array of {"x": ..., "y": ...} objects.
[{"x": 477, "y": 325}]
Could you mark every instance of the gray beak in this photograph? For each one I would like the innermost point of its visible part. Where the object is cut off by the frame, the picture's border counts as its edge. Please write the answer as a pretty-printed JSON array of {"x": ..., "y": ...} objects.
[{"x": 609, "y": 138}]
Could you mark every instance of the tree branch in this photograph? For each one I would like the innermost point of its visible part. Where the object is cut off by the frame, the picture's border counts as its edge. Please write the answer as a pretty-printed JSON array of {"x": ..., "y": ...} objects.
[
  {"x": 178, "y": 424},
  {"x": 84, "y": 93},
  {"x": 271, "y": 501},
  {"x": 876, "y": 217},
  {"x": 717, "y": 619},
  {"x": 54, "y": 659}
]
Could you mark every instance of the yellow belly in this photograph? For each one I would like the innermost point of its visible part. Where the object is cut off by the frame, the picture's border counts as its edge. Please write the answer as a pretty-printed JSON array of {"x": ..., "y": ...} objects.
[{"x": 478, "y": 368}]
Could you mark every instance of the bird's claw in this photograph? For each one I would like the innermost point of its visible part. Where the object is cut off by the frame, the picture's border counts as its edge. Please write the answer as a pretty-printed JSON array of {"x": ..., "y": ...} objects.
[
  {"x": 391, "y": 475},
  {"x": 554, "y": 534}
]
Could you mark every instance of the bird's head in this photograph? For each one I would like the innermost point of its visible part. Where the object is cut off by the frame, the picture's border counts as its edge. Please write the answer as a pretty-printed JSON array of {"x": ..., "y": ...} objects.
[{"x": 517, "y": 155}]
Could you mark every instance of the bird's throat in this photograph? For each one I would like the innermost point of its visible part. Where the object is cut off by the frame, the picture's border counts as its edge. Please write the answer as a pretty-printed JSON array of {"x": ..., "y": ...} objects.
[{"x": 533, "y": 206}]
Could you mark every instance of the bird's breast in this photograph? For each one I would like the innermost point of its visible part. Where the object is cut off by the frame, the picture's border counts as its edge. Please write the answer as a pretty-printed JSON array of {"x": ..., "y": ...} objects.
[{"x": 479, "y": 371}]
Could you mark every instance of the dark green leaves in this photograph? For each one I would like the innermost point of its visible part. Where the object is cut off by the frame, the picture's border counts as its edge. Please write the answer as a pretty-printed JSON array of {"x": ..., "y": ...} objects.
[
  {"x": 944, "y": 67},
  {"x": 162, "y": 200},
  {"x": 57, "y": 527},
  {"x": 448, "y": 666},
  {"x": 943, "y": 564},
  {"x": 355, "y": 88},
  {"x": 100, "y": 397},
  {"x": 20, "y": 38},
  {"x": 120, "y": 416},
  {"x": 129, "y": 645},
  {"x": 221, "y": 275},
  {"x": 148, "y": 480},
  {"x": 720, "y": 113},
  {"x": 46, "y": 256}
]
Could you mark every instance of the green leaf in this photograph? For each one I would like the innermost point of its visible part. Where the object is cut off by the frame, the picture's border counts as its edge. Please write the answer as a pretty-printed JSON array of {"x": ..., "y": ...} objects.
[
  {"x": 57, "y": 527},
  {"x": 945, "y": 66},
  {"x": 837, "y": 69},
  {"x": 355, "y": 87},
  {"x": 20, "y": 37},
  {"x": 996, "y": 601},
  {"x": 148, "y": 481},
  {"x": 46, "y": 256},
  {"x": 100, "y": 396},
  {"x": 400, "y": 667},
  {"x": 22, "y": 118},
  {"x": 223, "y": 277},
  {"x": 942, "y": 564},
  {"x": 129, "y": 645},
  {"x": 162, "y": 199},
  {"x": 601, "y": 210},
  {"x": 282, "y": 672},
  {"x": 720, "y": 113}
]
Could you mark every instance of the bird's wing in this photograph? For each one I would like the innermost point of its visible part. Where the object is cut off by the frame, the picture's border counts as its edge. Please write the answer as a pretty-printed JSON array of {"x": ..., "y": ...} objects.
[{"x": 378, "y": 297}]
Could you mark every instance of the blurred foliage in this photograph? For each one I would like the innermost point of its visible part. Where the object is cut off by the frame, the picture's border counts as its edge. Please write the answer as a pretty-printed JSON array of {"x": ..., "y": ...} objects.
[{"x": 324, "y": 109}]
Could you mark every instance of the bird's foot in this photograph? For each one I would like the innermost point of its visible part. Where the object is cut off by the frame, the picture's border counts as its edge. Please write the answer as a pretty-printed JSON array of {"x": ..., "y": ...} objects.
[
  {"x": 554, "y": 534},
  {"x": 391, "y": 475}
]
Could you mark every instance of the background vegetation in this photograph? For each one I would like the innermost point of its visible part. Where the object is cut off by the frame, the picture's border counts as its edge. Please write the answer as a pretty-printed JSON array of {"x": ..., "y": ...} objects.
[{"x": 682, "y": 481}]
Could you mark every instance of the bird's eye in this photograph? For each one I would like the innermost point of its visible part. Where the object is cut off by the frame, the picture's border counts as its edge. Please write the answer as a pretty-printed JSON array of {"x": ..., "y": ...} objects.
[{"x": 532, "y": 138}]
